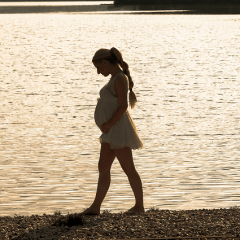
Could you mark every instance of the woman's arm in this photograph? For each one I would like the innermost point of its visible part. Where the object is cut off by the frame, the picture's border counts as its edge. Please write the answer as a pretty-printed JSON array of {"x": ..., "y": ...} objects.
[{"x": 121, "y": 89}]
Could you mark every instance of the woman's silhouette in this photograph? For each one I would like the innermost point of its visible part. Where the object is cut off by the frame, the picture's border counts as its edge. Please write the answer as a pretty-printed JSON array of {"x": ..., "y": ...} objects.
[{"x": 119, "y": 134}]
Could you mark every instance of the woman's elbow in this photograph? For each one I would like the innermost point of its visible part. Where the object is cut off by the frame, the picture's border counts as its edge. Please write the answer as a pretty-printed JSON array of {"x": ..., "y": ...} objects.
[{"x": 124, "y": 107}]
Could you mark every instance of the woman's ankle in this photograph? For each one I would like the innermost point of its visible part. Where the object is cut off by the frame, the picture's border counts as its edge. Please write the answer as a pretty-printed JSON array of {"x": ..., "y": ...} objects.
[{"x": 91, "y": 211}]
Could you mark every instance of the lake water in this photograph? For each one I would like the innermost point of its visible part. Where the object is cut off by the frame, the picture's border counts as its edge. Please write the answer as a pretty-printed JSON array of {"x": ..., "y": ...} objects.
[{"x": 186, "y": 72}]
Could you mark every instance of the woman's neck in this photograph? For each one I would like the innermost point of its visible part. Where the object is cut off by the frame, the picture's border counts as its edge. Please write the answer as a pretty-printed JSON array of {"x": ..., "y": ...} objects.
[{"x": 115, "y": 70}]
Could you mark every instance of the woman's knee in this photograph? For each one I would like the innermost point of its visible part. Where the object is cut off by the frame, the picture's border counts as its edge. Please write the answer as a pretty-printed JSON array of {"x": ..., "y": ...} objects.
[
  {"x": 106, "y": 158},
  {"x": 103, "y": 168}
]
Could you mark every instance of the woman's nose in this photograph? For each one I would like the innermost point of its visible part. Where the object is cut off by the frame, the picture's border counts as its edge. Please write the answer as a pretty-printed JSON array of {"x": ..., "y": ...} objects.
[{"x": 98, "y": 71}]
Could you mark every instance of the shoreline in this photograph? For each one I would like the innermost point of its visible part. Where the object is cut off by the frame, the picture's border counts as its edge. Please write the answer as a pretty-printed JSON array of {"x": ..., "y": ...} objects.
[
  {"x": 155, "y": 223},
  {"x": 133, "y": 9}
]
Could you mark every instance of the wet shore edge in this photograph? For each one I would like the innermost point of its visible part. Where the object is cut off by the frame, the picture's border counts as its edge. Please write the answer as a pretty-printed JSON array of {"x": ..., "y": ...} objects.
[
  {"x": 132, "y": 9},
  {"x": 154, "y": 224}
]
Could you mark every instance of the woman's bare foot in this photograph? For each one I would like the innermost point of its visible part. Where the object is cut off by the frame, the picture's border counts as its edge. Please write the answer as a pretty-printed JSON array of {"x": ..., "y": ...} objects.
[
  {"x": 91, "y": 211},
  {"x": 135, "y": 210}
]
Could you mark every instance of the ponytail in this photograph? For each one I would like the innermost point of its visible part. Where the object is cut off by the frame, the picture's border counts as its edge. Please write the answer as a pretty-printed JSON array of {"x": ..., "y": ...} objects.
[{"x": 125, "y": 68}]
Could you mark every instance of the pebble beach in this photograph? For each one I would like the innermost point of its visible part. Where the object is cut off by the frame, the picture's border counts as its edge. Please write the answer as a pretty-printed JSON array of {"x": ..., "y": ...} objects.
[{"x": 154, "y": 224}]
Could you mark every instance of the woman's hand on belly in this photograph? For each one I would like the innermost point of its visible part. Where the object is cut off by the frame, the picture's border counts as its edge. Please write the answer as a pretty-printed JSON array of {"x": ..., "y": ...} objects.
[{"x": 105, "y": 127}]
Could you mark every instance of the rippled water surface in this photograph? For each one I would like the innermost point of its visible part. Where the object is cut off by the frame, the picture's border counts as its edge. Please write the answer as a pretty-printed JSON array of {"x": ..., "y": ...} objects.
[{"x": 186, "y": 72}]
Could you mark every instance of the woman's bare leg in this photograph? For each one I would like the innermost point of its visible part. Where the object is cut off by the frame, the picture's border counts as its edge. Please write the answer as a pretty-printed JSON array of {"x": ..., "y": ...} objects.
[
  {"x": 125, "y": 159},
  {"x": 106, "y": 159}
]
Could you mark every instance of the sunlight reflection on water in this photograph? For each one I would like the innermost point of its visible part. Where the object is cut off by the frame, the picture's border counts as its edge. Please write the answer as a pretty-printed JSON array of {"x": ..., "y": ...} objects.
[{"x": 186, "y": 74}]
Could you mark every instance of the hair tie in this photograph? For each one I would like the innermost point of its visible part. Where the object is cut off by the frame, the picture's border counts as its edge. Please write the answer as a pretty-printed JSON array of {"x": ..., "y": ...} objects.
[
  {"x": 117, "y": 55},
  {"x": 112, "y": 51},
  {"x": 130, "y": 90}
]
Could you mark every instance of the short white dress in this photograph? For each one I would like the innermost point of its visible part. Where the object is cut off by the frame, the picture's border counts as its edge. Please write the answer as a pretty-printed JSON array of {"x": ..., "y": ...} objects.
[{"x": 123, "y": 133}]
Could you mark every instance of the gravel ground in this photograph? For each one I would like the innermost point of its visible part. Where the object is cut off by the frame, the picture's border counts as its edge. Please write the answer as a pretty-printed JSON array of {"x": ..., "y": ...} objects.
[{"x": 155, "y": 223}]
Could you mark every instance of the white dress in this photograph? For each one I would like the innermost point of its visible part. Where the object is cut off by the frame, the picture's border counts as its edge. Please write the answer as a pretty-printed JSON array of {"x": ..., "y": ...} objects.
[{"x": 123, "y": 133}]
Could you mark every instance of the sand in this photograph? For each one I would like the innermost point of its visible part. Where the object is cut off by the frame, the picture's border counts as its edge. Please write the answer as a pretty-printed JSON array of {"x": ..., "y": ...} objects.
[{"x": 155, "y": 223}]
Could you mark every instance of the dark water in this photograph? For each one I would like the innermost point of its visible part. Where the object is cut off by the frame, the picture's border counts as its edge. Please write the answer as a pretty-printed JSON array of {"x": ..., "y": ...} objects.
[{"x": 108, "y": 7}]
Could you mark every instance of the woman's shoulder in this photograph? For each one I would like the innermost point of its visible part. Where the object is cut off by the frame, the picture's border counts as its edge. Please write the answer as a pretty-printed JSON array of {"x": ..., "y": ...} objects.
[
  {"x": 121, "y": 81},
  {"x": 121, "y": 78}
]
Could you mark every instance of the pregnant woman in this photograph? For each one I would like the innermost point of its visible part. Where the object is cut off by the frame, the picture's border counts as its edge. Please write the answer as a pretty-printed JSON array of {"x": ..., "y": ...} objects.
[{"x": 119, "y": 134}]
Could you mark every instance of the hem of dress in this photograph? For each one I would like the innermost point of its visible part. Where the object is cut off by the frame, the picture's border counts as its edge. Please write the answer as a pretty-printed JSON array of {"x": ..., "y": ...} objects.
[{"x": 122, "y": 146}]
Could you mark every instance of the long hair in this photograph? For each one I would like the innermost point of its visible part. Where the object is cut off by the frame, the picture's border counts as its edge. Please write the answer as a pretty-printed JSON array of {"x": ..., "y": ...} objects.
[{"x": 114, "y": 56}]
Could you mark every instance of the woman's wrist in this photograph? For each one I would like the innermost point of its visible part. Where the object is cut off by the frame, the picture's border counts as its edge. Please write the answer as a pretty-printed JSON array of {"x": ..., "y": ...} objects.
[
  {"x": 109, "y": 124},
  {"x": 116, "y": 116}
]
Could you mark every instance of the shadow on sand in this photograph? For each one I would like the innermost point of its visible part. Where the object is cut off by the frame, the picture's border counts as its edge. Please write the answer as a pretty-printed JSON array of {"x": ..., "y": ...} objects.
[{"x": 55, "y": 226}]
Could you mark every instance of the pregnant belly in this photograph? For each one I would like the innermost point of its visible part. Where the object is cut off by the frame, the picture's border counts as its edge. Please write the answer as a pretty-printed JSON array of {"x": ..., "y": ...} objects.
[{"x": 104, "y": 111}]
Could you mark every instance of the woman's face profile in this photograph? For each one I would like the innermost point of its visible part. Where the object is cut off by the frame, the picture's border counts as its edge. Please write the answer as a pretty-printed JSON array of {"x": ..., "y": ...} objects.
[{"x": 102, "y": 68}]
